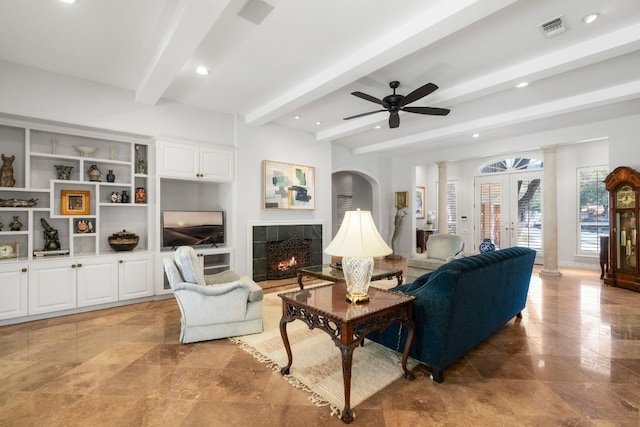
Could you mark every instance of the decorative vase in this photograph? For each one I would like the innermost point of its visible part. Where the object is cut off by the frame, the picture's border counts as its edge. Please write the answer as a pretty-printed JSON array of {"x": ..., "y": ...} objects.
[
  {"x": 141, "y": 195},
  {"x": 486, "y": 246},
  {"x": 94, "y": 173},
  {"x": 64, "y": 172},
  {"x": 110, "y": 176},
  {"x": 125, "y": 196},
  {"x": 15, "y": 225},
  {"x": 123, "y": 241},
  {"x": 428, "y": 226}
]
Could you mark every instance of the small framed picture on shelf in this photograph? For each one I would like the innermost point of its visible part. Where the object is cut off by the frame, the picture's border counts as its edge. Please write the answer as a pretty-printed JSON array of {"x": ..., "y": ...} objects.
[{"x": 75, "y": 202}]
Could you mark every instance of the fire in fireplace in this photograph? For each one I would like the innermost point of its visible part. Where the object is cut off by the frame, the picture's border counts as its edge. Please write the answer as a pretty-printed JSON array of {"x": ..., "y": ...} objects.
[{"x": 284, "y": 257}]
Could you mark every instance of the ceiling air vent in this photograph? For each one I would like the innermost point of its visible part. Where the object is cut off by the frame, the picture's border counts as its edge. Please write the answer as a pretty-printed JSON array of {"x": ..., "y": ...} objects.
[
  {"x": 554, "y": 26},
  {"x": 255, "y": 11}
]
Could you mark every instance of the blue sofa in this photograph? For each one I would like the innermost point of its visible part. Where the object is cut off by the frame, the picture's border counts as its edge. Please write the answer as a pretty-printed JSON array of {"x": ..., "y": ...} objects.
[{"x": 460, "y": 304}]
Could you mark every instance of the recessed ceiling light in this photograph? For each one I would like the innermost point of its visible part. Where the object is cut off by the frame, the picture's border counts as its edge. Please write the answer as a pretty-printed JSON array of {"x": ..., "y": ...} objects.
[
  {"x": 70, "y": 1},
  {"x": 318, "y": 123},
  {"x": 590, "y": 18},
  {"x": 476, "y": 135},
  {"x": 297, "y": 117},
  {"x": 522, "y": 84},
  {"x": 204, "y": 71},
  {"x": 377, "y": 126}
]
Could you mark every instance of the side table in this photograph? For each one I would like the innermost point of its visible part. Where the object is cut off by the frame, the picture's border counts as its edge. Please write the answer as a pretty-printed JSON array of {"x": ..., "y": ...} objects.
[{"x": 325, "y": 307}]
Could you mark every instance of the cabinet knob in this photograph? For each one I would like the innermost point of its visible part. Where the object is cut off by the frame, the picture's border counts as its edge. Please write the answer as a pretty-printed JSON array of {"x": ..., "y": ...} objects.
[
  {"x": 73, "y": 266},
  {"x": 120, "y": 261},
  {"x": 79, "y": 265},
  {"x": 24, "y": 270}
]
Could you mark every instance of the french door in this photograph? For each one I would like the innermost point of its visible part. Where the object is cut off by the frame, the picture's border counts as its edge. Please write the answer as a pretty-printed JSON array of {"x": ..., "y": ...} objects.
[{"x": 509, "y": 209}]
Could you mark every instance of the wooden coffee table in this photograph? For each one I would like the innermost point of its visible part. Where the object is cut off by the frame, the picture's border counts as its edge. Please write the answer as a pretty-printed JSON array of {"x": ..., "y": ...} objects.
[
  {"x": 333, "y": 274},
  {"x": 326, "y": 308}
]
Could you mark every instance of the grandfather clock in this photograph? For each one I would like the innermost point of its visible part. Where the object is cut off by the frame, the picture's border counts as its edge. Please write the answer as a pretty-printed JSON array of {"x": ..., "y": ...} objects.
[{"x": 623, "y": 185}]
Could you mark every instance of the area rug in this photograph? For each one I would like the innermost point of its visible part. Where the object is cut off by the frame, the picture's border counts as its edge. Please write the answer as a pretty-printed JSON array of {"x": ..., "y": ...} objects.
[{"x": 317, "y": 363}]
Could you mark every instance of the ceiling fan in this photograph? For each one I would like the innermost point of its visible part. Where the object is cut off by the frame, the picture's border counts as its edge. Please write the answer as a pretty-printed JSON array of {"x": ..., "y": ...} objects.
[{"x": 396, "y": 102}]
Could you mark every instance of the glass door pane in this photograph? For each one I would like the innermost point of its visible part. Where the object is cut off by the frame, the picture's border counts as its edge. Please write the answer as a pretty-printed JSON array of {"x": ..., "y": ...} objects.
[
  {"x": 491, "y": 212},
  {"x": 528, "y": 213}
]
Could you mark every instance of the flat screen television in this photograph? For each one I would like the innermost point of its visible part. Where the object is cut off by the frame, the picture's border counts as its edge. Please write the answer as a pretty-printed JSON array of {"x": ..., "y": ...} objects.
[{"x": 192, "y": 228}]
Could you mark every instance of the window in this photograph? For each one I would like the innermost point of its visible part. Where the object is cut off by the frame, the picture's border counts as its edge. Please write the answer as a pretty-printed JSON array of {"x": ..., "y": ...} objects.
[
  {"x": 452, "y": 207},
  {"x": 593, "y": 210}
]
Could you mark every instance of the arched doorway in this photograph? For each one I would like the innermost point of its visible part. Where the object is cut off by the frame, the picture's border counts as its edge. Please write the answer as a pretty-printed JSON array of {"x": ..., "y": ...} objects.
[{"x": 353, "y": 190}]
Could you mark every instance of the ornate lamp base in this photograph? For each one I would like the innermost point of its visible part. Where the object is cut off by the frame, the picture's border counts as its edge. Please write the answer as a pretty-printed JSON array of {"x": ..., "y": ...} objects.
[{"x": 357, "y": 273}]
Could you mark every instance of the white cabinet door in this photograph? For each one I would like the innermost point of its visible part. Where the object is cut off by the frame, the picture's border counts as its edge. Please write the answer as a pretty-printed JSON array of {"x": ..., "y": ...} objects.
[
  {"x": 52, "y": 286},
  {"x": 13, "y": 290},
  {"x": 197, "y": 162},
  {"x": 97, "y": 281},
  {"x": 178, "y": 160},
  {"x": 135, "y": 274},
  {"x": 216, "y": 164}
]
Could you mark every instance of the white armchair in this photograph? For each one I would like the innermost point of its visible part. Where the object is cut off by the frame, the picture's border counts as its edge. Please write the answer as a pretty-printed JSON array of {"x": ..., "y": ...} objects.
[
  {"x": 441, "y": 248},
  {"x": 212, "y": 306}
]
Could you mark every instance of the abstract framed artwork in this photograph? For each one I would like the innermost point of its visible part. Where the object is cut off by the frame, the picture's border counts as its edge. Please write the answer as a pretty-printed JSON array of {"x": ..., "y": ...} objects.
[
  {"x": 75, "y": 202},
  {"x": 420, "y": 202},
  {"x": 288, "y": 186},
  {"x": 401, "y": 199}
]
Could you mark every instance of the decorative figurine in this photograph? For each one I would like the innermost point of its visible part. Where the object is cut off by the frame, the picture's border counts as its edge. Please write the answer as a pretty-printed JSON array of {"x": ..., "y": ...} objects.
[
  {"x": 15, "y": 225},
  {"x": 51, "y": 240},
  {"x": 94, "y": 173},
  {"x": 6, "y": 171},
  {"x": 64, "y": 171},
  {"x": 141, "y": 195},
  {"x": 110, "y": 176},
  {"x": 114, "y": 197}
]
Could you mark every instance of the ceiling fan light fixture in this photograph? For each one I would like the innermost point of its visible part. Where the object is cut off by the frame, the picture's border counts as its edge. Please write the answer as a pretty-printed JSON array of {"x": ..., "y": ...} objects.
[
  {"x": 203, "y": 71},
  {"x": 590, "y": 18}
]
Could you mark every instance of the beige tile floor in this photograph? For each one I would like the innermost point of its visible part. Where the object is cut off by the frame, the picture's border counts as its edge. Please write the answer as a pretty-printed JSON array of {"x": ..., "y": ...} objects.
[{"x": 573, "y": 360}]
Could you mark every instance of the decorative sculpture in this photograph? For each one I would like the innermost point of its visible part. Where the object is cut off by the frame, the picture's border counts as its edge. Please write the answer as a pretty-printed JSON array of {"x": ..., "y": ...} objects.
[
  {"x": 397, "y": 223},
  {"x": 6, "y": 171},
  {"x": 51, "y": 239}
]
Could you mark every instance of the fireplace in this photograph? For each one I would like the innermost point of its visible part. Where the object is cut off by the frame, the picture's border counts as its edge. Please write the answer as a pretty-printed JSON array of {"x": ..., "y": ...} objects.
[
  {"x": 284, "y": 257},
  {"x": 279, "y": 250}
]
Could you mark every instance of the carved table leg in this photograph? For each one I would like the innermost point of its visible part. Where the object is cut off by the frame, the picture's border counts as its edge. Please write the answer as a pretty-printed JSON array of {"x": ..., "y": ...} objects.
[
  {"x": 287, "y": 346},
  {"x": 347, "y": 358},
  {"x": 407, "y": 347}
]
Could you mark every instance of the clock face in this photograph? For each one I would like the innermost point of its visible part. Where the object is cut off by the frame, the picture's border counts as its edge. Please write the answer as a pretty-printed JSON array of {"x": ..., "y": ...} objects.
[
  {"x": 6, "y": 251},
  {"x": 625, "y": 197}
]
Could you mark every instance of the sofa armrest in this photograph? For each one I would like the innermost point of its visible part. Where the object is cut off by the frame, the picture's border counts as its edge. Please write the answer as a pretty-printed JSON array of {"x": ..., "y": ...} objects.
[{"x": 213, "y": 290}]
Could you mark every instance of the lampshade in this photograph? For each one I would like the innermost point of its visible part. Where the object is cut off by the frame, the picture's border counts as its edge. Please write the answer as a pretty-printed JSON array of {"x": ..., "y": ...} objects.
[
  {"x": 358, "y": 236},
  {"x": 358, "y": 241}
]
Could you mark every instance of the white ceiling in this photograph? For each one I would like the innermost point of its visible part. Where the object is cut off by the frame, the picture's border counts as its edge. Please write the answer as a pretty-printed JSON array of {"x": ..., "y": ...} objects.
[{"x": 306, "y": 57}]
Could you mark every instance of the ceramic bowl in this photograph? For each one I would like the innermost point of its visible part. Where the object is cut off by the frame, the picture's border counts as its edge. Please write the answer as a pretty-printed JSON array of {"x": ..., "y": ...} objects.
[{"x": 84, "y": 150}]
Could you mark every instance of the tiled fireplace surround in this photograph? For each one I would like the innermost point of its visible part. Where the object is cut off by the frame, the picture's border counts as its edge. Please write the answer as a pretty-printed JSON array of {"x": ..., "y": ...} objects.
[{"x": 262, "y": 233}]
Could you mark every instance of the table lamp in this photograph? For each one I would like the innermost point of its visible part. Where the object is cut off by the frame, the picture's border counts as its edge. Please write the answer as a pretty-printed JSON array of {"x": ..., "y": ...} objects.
[{"x": 358, "y": 241}]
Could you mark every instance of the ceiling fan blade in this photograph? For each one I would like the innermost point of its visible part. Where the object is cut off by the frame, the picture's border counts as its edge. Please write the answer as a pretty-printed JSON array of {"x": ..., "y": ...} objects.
[
  {"x": 363, "y": 114},
  {"x": 427, "y": 110},
  {"x": 418, "y": 93},
  {"x": 394, "y": 119},
  {"x": 369, "y": 98}
]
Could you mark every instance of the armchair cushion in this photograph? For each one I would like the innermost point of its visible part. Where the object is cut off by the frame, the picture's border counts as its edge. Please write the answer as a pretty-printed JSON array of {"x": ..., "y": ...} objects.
[
  {"x": 222, "y": 277},
  {"x": 188, "y": 263}
]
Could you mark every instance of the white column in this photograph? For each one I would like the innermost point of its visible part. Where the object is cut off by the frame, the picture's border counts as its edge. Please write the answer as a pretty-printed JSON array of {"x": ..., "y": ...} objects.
[
  {"x": 550, "y": 214},
  {"x": 442, "y": 197}
]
